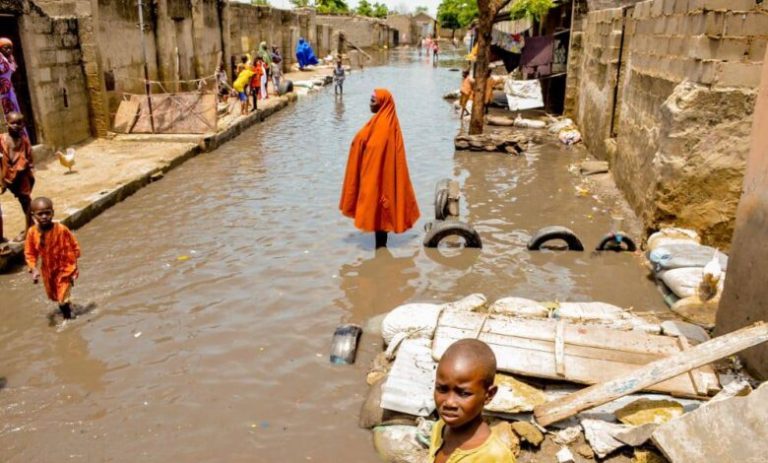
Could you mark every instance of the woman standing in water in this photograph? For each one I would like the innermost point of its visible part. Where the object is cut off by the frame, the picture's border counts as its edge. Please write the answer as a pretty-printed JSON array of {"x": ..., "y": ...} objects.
[{"x": 377, "y": 189}]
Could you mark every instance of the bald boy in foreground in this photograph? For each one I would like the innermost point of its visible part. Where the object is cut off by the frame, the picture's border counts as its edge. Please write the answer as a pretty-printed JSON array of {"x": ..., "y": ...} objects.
[{"x": 464, "y": 385}]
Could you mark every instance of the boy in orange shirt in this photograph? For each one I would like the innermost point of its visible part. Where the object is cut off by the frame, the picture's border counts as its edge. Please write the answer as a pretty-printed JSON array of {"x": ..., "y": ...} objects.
[
  {"x": 463, "y": 386},
  {"x": 53, "y": 246},
  {"x": 17, "y": 168}
]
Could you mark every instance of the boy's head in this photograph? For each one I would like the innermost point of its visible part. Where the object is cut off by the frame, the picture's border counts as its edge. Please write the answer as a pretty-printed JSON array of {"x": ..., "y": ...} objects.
[
  {"x": 244, "y": 59},
  {"x": 465, "y": 73},
  {"x": 464, "y": 383},
  {"x": 15, "y": 123},
  {"x": 42, "y": 211}
]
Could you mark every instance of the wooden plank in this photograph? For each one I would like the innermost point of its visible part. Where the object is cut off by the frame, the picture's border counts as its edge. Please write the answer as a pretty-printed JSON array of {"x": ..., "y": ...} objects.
[
  {"x": 733, "y": 429},
  {"x": 592, "y": 354},
  {"x": 694, "y": 374},
  {"x": 126, "y": 115},
  {"x": 653, "y": 373}
]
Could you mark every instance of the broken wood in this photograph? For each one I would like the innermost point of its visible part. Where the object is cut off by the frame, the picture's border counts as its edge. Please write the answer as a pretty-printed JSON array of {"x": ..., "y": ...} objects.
[
  {"x": 575, "y": 352},
  {"x": 652, "y": 373}
]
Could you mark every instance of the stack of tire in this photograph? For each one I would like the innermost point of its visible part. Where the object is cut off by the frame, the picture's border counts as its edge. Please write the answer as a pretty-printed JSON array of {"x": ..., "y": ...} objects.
[{"x": 690, "y": 275}]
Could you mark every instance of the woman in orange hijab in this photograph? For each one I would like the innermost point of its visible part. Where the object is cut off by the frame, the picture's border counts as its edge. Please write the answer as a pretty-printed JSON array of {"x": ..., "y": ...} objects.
[{"x": 377, "y": 190}]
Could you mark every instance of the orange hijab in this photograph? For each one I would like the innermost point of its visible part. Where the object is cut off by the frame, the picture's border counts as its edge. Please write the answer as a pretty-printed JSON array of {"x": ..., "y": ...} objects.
[{"x": 377, "y": 190}]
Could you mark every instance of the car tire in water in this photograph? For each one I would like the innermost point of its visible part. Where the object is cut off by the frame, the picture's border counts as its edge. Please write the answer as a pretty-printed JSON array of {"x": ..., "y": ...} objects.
[
  {"x": 441, "y": 199},
  {"x": 555, "y": 232},
  {"x": 616, "y": 242},
  {"x": 441, "y": 230}
]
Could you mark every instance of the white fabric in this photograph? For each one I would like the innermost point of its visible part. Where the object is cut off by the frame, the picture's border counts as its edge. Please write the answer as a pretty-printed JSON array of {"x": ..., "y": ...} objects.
[
  {"x": 416, "y": 320},
  {"x": 523, "y": 94}
]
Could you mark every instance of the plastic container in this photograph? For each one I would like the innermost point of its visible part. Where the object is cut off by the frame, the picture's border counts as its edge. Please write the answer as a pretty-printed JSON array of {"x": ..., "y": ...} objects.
[{"x": 344, "y": 344}]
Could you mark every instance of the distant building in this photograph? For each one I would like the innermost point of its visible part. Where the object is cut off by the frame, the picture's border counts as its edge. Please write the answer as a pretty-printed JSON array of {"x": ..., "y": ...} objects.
[{"x": 426, "y": 25}]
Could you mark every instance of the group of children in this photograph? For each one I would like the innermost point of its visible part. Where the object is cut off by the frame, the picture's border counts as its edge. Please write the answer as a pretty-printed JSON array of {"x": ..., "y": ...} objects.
[{"x": 50, "y": 248}]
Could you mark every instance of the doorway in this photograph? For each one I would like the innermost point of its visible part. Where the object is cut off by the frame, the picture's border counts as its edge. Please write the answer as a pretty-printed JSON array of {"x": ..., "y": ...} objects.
[{"x": 9, "y": 25}]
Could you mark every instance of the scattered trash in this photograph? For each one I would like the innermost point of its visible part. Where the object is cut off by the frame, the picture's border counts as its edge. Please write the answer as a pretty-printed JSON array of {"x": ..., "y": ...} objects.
[
  {"x": 567, "y": 435},
  {"x": 569, "y": 137},
  {"x": 644, "y": 411},
  {"x": 557, "y": 126},
  {"x": 564, "y": 456},
  {"x": 599, "y": 434},
  {"x": 411, "y": 320},
  {"x": 137, "y": 334},
  {"x": 528, "y": 432},
  {"x": 183, "y": 258},
  {"x": 344, "y": 344},
  {"x": 528, "y": 123}
]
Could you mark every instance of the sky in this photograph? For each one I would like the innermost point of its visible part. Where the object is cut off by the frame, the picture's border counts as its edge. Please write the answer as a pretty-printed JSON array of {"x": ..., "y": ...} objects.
[{"x": 392, "y": 4}]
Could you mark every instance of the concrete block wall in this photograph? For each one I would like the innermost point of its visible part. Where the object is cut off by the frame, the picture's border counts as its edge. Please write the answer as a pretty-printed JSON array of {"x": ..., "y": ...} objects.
[
  {"x": 361, "y": 31},
  {"x": 690, "y": 69},
  {"x": 56, "y": 80}
]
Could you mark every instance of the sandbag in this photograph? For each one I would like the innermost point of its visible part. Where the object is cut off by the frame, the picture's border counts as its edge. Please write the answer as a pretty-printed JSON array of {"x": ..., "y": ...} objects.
[
  {"x": 556, "y": 127},
  {"x": 685, "y": 255},
  {"x": 416, "y": 320},
  {"x": 667, "y": 241},
  {"x": 684, "y": 282},
  {"x": 519, "y": 307},
  {"x": 372, "y": 415},
  {"x": 589, "y": 311},
  {"x": 468, "y": 304},
  {"x": 682, "y": 234},
  {"x": 401, "y": 444}
]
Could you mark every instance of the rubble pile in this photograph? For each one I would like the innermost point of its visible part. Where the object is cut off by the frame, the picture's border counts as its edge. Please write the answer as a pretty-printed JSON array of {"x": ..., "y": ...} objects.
[
  {"x": 504, "y": 142},
  {"x": 650, "y": 390}
]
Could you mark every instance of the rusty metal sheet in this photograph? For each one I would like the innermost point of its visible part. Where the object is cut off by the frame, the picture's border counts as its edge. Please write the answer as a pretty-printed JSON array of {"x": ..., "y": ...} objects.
[
  {"x": 189, "y": 112},
  {"x": 126, "y": 116}
]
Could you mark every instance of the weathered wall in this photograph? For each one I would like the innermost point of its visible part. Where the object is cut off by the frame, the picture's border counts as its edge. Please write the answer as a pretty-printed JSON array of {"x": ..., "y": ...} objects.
[
  {"x": 743, "y": 300},
  {"x": 55, "y": 75},
  {"x": 361, "y": 31},
  {"x": 406, "y": 27},
  {"x": 251, "y": 25},
  {"x": 689, "y": 70}
]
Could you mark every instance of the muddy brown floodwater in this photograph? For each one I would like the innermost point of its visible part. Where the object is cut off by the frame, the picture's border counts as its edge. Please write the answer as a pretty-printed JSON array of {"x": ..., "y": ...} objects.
[{"x": 219, "y": 287}]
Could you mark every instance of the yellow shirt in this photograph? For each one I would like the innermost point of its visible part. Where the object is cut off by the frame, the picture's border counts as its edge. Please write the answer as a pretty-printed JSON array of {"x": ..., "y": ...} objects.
[{"x": 492, "y": 450}]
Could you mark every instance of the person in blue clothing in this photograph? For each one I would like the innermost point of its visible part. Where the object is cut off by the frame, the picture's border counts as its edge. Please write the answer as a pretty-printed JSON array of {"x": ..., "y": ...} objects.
[{"x": 304, "y": 54}]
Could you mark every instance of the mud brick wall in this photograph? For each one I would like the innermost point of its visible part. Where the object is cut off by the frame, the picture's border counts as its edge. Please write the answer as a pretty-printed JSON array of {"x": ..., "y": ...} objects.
[
  {"x": 361, "y": 31},
  {"x": 686, "y": 92},
  {"x": 251, "y": 25},
  {"x": 56, "y": 80},
  {"x": 743, "y": 301}
]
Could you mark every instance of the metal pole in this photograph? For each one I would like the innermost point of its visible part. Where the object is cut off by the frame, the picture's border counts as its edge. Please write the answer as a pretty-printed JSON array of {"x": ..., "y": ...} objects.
[{"x": 147, "y": 85}]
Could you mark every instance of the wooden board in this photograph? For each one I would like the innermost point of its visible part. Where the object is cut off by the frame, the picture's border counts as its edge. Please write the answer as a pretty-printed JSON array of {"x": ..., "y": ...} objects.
[
  {"x": 189, "y": 112},
  {"x": 579, "y": 353},
  {"x": 734, "y": 429}
]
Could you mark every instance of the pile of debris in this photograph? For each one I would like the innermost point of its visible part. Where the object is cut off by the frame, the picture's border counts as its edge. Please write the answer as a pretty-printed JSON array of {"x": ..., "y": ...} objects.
[
  {"x": 546, "y": 346},
  {"x": 691, "y": 276},
  {"x": 495, "y": 141}
]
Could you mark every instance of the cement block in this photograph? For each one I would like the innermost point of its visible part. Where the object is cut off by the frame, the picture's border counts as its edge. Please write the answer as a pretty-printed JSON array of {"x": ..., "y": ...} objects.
[
  {"x": 715, "y": 24},
  {"x": 729, "y": 5},
  {"x": 756, "y": 24},
  {"x": 738, "y": 74},
  {"x": 669, "y": 6},
  {"x": 681, "y": 6},
  {"x": 657, "y": 8},
  {"x": 757, "y": 49}
]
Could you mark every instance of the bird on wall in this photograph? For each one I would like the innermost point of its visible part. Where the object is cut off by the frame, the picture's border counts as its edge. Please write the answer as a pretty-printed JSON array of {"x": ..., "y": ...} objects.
[{"x": 67, "y": 159}]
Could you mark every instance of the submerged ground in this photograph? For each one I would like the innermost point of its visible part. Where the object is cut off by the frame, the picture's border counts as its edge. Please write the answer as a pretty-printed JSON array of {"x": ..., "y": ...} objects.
[{"x": 219, "y": 287}]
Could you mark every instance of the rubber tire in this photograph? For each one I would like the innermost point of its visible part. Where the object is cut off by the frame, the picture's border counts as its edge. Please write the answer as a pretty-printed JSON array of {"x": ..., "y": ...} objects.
[
  {"x": 441, "y": 199},
  {"x": 555, "y": 232},
  {"x": 441, "y": 230},
  {"x": 611, "y": 239},
  {"x": 286, "y": 86}
]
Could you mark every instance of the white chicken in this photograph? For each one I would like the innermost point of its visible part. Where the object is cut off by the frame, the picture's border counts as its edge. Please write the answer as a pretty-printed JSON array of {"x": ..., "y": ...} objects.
[
  {"x": 67, "y": 160},
  {"x": 711, "y": 277}
]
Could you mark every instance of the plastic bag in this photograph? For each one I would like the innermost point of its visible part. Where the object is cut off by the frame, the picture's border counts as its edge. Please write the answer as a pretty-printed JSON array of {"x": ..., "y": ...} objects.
[{"x": 415, "y": 320}]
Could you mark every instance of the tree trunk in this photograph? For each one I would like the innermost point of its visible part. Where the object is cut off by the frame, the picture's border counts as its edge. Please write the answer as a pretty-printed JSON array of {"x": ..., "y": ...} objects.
[{"x": 484, "y": 26}]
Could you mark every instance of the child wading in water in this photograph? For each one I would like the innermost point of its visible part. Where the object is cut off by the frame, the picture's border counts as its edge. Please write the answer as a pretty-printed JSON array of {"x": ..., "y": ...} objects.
[
  {"x": 464, "y": 385},
  {"x": 54, "y": 247},
  {"x": 338, "y": 79}
]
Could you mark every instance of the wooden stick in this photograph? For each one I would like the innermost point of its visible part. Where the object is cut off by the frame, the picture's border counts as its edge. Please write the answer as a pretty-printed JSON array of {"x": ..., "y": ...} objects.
[{"x": 652, "y": 373}]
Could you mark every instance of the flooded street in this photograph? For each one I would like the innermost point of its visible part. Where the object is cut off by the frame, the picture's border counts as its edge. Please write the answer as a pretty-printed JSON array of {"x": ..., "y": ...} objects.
[{"x": 219, "y": 287}]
